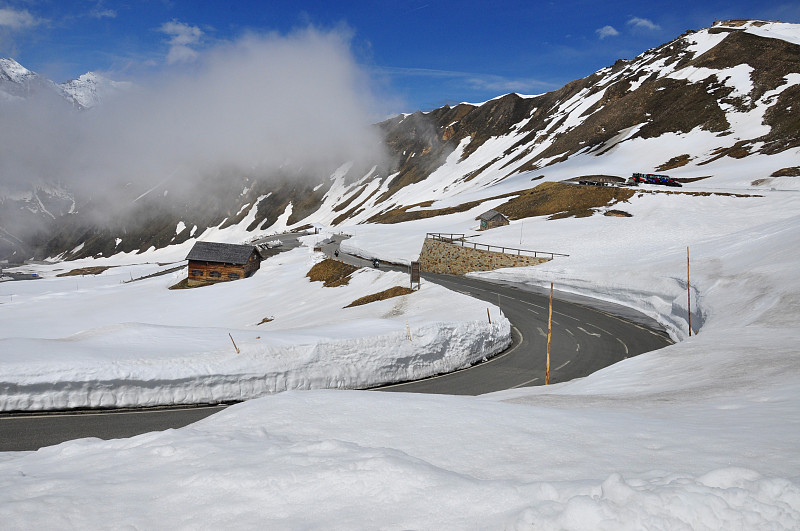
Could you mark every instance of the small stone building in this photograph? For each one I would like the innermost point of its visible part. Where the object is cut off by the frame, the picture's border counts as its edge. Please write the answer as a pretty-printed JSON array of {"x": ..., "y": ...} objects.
[
  {"x": 221, "y": 262},
  {"x": 492, "y": 219}
]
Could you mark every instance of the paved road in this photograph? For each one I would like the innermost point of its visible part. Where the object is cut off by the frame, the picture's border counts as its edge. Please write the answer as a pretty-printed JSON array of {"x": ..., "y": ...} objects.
[
  {"x": 585, "y": 339},
  {"x": 289, "y": 240},
  {"x": 33, "y": 431}
]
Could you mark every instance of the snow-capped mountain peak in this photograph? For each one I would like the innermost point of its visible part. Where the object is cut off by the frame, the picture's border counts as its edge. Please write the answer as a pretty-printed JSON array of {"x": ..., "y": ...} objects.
[
  {"x": 91, "y": 88},
  {"x": 85, "y": 92},
  {"x": 10, "y": 70},
  {"x": 17, "y": 82}
]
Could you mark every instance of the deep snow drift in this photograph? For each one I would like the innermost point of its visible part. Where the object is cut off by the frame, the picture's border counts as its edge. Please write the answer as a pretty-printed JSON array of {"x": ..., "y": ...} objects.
[{"x": 93, "y": 341}]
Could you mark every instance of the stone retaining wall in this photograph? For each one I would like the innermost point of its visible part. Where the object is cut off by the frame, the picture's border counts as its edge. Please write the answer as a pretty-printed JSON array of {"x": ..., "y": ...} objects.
[{"x": 453, "y": 259}]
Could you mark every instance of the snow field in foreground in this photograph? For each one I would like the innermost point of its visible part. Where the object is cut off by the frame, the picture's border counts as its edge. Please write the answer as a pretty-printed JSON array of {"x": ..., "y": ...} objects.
[
  {"x": 699, "y": 435},
  {"x": 108, "y": 344},
  {"x": 356, "y": 460}
]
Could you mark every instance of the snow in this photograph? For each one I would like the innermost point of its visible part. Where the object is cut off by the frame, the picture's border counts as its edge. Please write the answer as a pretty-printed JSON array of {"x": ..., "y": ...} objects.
[
  {"x": 737, "y": 77},
  {"x": 15, "y": 71},
  {"x": 91, "y": 89},
  {"x": 777, "y": 30},
  {"x": 699, "y": 435},
  {"x": 113, "y": 344},
  {"x": 703, "y": 41}
]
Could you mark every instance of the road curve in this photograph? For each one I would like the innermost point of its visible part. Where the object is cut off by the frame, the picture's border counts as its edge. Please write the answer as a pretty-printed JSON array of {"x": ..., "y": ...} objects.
[{"x": 584, "y": 340}]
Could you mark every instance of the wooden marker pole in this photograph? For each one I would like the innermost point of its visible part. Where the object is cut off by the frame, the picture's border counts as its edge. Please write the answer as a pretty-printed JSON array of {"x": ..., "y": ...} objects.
[
  {"x": 688, "y": 293},
  {"x": 549, "y": 332},
  {"x": 234, "y": 343}
]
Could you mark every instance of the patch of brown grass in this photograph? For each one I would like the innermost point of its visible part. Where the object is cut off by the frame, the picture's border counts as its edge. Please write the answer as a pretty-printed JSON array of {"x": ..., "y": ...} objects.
[
  {"x": 95, "y": 270},
  {"x": 401, "y": 214},
  {"x": 383, "y": 295},
  {"x": 559, "y": 200},
  {"x": 553, "y": 199},
  {"x": 618, "y": 214},
  {"x": 548, "y": 199},
  {"x": 331, "y": 273},
  {"x": 184, "y": 284},
  {"x": 739, "y": 150},
  {"x": 675, "y": 162},
  {"x": 793, "y": 171}
]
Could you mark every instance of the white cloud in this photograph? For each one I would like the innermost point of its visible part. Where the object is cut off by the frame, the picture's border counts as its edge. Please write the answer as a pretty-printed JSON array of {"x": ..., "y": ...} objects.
[
  {"x": 104, "y": 13},
  {"x": 643, "y": 23},
  {"x": 181, "y": 54},
  {"x": 255, "y": 106},
  {"x": 504, "y": 84},
  {"x": 488, "y": 82},
  {"x": 17, "y": 19},
  {"x": 607, "y": 31},
  {"x": 101, "y": 11},
  {"x": 183, "y": 38}
]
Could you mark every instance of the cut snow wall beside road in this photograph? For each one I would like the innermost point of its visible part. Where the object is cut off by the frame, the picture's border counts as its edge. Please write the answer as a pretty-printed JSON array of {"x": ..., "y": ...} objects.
[{"x": 351, "y": 363}]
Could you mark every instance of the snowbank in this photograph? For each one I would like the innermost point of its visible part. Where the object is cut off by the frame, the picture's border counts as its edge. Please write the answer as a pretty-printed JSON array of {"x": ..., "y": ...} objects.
[
  {"x": 364, "y": 460},
  {"x": 93, "y": 341}
]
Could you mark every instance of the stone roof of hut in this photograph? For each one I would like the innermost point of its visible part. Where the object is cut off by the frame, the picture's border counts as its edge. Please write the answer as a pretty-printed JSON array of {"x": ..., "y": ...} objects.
[
  {"x": 490, "y": 214},
  {"x": 225, "y": 253}
]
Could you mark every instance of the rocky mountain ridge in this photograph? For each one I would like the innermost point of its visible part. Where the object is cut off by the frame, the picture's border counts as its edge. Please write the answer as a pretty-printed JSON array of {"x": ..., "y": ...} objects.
[
  {"x": 695, "y": 106},
  {"x": 85, "y": 92}
]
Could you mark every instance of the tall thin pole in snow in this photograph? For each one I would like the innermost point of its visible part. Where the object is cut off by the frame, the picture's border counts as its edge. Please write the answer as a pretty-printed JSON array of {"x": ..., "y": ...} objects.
[
  {"x": 688, "y": 293},
  {"x": 549, "y": 330}
]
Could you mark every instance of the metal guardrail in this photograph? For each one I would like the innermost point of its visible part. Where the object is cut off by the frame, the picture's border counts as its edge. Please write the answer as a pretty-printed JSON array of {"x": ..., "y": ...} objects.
[{"x": 460, "y": 239}]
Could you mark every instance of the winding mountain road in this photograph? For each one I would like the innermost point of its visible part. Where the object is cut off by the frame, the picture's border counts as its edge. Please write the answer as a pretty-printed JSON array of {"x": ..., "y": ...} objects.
[
  {"x": 587, "y": 335},
  {"x": 585, "y": 339}
]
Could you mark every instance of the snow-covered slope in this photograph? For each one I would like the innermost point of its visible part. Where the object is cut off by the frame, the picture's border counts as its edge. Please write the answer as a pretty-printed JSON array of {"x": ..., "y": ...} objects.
[
  {"x": 85, "y": 92},
  {"x": 17, "y": 82},
  {"x": 13, "y": 72},
  {"x": 699, "y": 108},
  {"x": 114, "y": 344},
  {"x": 90, "y": 89}
]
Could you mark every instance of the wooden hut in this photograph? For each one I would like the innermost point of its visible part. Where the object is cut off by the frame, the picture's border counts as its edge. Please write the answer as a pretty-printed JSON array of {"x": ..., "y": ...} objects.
[
  {"x": 492, "y": 219},
  {"x": 221, "y": 262}
]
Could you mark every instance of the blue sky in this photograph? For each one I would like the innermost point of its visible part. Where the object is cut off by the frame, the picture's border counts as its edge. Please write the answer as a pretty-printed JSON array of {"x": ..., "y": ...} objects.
[{"x": 419, "y": 54}]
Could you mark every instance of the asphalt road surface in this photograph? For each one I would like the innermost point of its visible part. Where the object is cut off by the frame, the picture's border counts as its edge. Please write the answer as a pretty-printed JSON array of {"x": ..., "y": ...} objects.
[
  {"x": 20, "y": 432},
  {"x": 584, "y": 339}
]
